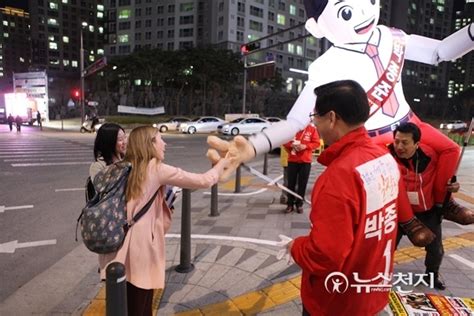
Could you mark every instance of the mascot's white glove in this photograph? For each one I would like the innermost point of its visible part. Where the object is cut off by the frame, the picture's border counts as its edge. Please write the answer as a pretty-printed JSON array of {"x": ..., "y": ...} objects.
[{"x": 283, "y": 253}]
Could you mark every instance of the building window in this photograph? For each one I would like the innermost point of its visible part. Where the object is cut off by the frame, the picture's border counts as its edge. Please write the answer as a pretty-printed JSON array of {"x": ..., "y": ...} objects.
[
  {"x": 291, "y": 48},
  {"x": 148, "y": 11},
  {"x": 159, "y": 34},
  {"x": 160, "y": 9},
  {"x": 241, "y": 7},
  {"x": 148, "y": 36},
  {"x": 240, "y": 21},
  {"x": 124, "y": 49},
  {"x": 160, "y": 22},
  {"x": 138, "y": 24},
  {"x": 281, "y": 5},
  {"x": 240, "y": 36},
  {"x": 65, "y": 39},
  {"x": 74, "y": 63},
  {"x": 171, "y": 21},
  {"x": 255, "y": 11},
  {"x": 186, "y": 32},
  {"x": 53, "y": 6},
  {"x": 186, "y": 45},
  {"x": 170, "y": 33},
  {"x": 148, "y": 23},
  {"x": 124, "y": 25},
  {"x": 124, "y": 2},
  {"x": 124, "y": 14},
  {"x": 186, "y": 7},
  {"x": 220, "y": 22},
  {"x": 281, "y": 19},
  {"x": 53, "y": 45},
  {"x": 138, "y": 12},
  {"x": 299, "y": 50},
  {"x": 186, "y": 19},
  {"x": 123, "y": 38},
  {"x": 221, "y": 6},
  {"x": 170, "y": 46},
  {"x": 271, "y": 16},
  {"x": 171, "y": 8},
  {"x": 138, "y": 36},
  {"x": 52, "y": 21},
  {"x": 292, "y": 9},
  {"x": 65, "y": 62},
  {"x": 256, "y": 26}
]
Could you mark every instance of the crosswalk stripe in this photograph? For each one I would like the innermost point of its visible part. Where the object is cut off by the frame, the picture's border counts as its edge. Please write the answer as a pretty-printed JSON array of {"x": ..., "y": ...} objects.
[
  {"x": 43, "y": 164},
  {"x": 42, "y": 155},
  {"x": 88, "y": 156}
]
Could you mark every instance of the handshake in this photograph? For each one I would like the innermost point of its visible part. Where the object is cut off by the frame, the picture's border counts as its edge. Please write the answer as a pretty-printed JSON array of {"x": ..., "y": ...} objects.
[{"x": 237, "y": 151}]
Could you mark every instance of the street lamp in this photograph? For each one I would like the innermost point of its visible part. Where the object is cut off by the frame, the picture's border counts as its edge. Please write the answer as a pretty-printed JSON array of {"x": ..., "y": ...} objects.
[{"x": 84, "y": 24}]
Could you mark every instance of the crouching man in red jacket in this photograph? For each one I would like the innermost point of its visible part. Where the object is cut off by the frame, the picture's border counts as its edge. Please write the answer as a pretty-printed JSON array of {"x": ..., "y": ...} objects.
[{"x": 347, "y": 259}]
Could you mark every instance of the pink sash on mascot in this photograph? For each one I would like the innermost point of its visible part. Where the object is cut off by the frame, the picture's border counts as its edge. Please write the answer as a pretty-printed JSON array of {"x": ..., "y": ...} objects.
[{"x": 384, "y": 87}]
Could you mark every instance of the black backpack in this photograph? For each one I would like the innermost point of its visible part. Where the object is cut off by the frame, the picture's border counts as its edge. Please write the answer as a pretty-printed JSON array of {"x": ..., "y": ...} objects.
[{"x": 89, "y": 190}]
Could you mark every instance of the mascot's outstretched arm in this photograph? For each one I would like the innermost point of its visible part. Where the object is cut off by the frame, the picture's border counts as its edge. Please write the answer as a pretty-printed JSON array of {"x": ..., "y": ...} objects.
[{"x": 431, "y": 51}]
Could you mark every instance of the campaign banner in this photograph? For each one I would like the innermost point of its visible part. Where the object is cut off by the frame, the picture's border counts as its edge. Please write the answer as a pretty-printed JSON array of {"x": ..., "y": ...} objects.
[{"x": 142, "y": 111}]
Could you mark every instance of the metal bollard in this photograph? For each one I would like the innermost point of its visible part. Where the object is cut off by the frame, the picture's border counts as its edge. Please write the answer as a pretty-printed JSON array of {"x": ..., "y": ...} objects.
[
  {"x": 237, "y": 180},
  {"x": 214, "y": 207},
  {"x": 115, "y": 290},
  {"x": 185, "y": 264},
  {"x": 265, "y": 164}
]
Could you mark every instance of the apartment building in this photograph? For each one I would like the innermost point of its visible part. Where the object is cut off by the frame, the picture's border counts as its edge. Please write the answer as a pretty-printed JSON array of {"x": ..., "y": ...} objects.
[
  {"x": 15, "y": 48},
  {"x": 179, "y": 24}
]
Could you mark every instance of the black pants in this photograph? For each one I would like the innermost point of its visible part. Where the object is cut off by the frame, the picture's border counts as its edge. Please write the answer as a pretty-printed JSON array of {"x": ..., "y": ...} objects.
[
  {"x": 10, "y": 124},
  {"x": 297, "y": 173},
  {"x": 139, "y": 301},
  {"x": 435, "y": 250}
]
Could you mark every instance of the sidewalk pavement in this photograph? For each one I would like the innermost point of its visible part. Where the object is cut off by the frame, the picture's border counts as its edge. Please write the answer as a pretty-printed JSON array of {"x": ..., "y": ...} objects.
[{"x": 238, "y": 276}]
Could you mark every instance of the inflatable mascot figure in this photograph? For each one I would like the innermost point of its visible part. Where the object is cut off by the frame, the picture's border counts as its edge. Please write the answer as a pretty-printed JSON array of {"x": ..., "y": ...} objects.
[{"x": 373, "y": 55}]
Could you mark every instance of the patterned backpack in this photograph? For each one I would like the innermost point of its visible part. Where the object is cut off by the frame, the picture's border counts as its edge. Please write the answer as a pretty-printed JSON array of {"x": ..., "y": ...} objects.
[{"x": 103, "y": 220}]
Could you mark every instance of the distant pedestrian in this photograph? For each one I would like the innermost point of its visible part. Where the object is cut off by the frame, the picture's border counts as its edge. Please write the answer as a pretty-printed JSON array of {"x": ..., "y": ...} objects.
[
  {"x": 284, "y": 165},
  {"x": 300, "y": 155},
  {"x": 10, "y": 121},
  {"x": 18, "y": 121},
  {"x": 38, "y": 119}
]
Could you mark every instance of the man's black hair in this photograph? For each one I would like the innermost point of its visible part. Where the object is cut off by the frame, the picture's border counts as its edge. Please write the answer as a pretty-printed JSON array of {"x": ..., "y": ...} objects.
[
  {"x": 409, "y": 128},
  {"x": 345, "y": 97},
  {"x": 105, "y": 141}
]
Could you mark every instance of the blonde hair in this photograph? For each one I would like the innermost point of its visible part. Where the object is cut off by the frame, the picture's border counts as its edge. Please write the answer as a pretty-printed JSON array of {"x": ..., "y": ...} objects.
[{"x": 140, "y": 150}]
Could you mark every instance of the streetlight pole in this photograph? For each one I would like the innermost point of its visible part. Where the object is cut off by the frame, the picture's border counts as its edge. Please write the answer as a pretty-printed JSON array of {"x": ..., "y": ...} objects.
[
  {"x": 245, "y": 84},
  {"x": 82, "y": 78}
]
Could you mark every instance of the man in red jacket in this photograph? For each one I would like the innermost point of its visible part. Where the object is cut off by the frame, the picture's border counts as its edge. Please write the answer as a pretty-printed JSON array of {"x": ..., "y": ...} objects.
[
  {"x": 419, "y": 167},
  {"x": 347, "y": 259},
  {"x": 300, "y": 154}
]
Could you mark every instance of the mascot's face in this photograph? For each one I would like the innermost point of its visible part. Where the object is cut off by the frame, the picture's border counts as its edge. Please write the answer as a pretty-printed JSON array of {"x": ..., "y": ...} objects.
[{"x": 346, "y": 21}]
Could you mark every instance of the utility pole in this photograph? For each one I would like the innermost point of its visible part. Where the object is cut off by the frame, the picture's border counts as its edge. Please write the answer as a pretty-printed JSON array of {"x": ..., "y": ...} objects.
[
  {"x": 245, "y": 85},
  {"x": 82, "y": 78}
]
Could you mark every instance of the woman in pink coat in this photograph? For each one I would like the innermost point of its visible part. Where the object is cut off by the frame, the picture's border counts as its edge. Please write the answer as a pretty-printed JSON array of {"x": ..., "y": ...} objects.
[{"x": 143, "y": 250}]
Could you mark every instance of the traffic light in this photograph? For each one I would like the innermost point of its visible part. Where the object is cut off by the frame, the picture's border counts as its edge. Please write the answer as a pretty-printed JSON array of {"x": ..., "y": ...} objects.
[
  {"x": 76, "y": 94},
  {"x": 247, "y": 48}
]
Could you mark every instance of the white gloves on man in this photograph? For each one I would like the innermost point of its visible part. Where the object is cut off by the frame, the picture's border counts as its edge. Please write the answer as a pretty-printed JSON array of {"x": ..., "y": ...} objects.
[{"x": 283, "y": 253}]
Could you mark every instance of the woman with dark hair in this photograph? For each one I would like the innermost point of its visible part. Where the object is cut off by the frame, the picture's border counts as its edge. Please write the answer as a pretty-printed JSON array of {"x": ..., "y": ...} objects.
[{"x": 109, "y": 147}]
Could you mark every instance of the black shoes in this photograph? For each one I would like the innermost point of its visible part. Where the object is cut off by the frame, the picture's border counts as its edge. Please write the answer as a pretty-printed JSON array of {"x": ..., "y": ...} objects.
[
  {"x": 289, "y": 209},
  {"x": 437, "y": 282}
]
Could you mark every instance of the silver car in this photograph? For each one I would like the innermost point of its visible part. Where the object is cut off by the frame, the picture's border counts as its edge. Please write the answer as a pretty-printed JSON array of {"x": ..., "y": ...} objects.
[
  {"x": 203, "y": 124},
  {"x": 171, "y": 125},
  {"x": 246, "y": 126}
]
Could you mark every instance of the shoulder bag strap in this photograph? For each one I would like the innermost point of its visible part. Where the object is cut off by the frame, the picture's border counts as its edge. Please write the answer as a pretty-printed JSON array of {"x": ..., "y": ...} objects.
[{"x": 144, "y": 209}]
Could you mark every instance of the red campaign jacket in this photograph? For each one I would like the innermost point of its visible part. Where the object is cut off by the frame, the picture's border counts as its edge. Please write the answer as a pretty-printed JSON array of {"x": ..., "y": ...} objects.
[
  {"x": 308, "y": 136},
  {"x": 423, "y": 181},
  {"x": 354, "y": 219}
]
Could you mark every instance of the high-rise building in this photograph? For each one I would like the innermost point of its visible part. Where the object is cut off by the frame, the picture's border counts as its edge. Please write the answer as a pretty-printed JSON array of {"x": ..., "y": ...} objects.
[
  {"x": 15, "y": 44},
  {"x": 179, "y": 24},
  {"x": 57, "y": 28},
  {"x": 461, "y": 75}
]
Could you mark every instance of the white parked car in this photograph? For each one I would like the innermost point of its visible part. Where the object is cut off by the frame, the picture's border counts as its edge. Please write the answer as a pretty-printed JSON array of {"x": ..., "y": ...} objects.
[
  {"x": 220, "y": 127},
  {"x": 245, "y": 126},
  {"x": 171, "y": 125},
  {"x": 453, "y": 125},
  {"x": 203, "y": 124},
  {"x": 273, "y": 119}
]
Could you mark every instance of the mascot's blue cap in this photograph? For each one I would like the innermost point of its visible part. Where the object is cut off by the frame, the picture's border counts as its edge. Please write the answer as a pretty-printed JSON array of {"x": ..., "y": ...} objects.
[{"x": 314, "y": 8}]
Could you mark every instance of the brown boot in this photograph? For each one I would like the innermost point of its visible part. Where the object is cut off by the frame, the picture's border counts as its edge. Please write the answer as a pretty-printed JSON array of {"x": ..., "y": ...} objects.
[
  {"x": 417, "y": 232},
  {"x": 457, "y": 213}
]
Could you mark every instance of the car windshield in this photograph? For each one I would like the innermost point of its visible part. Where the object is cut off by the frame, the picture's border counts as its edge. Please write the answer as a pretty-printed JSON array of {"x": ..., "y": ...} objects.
[
  {"x": 237, "y": 120},
  {"x": 196, "y": 119}
]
